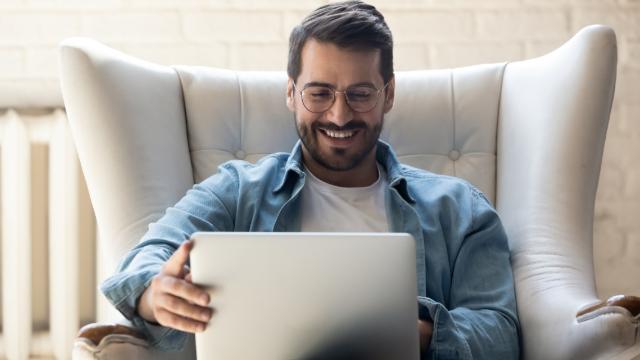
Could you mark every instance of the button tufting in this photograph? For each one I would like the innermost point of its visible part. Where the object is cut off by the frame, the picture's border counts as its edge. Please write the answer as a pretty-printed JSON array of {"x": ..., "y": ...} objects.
[
  {"x": 454, "y": 155},
  {"x": 240, "y": 154}
]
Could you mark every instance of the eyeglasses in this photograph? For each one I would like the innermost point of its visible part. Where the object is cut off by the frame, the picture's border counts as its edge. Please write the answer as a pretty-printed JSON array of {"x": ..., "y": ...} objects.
[{"x": 360, "y": 98}]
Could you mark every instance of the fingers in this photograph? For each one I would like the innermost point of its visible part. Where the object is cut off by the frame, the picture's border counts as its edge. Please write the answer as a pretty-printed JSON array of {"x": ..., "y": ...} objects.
[
  {"x": 178, "y": 306},
  {"x": 181, "y": 289},
  {"x": 175, "y": 265},
  {"x": 184, "y": 272},
  {"x": 178, "y": 303},
  {"x": 179, "y": 322}
]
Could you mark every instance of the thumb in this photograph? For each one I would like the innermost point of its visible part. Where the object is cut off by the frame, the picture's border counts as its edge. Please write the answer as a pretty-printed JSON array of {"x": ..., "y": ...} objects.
[{"x": 174, "y": 266}]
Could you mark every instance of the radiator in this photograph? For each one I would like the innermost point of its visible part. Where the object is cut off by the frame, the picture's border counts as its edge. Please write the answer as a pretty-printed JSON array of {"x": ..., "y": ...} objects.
[{"x": 48, "y": 252}]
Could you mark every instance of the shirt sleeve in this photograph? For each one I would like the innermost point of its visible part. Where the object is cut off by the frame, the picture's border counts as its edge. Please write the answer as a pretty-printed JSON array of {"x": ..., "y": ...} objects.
[
  {"x": 480, "y": 321},
  {"x": 199, "y": 210}
]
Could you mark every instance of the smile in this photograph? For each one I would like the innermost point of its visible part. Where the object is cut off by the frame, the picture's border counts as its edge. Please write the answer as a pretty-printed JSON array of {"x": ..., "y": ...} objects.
[{"x": 343, "y": 134}]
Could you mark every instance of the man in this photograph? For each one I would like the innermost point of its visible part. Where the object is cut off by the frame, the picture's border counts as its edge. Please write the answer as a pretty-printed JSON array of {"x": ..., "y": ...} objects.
[{"x": 339, "y": 177}]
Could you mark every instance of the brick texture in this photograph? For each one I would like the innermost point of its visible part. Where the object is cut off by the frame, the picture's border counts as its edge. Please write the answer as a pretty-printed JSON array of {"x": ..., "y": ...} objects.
[
  {"x": 22, "y": 28},
  {"x": 54, "y": 5},
  {"x": 214, "y": 54},
  {"x": 138, "y": 27},
  {"x": 272, "y": 56},
  {"x": 252, "y": 34},
  {"x": 631, "y": 53},
  {"x": 625, "y": 21},
  {"x": 534, "y": 24},
  {"x": 430, "y": 26},
  {"x": 449, "y": 54},
  {"x": 231, "y": 26},
  {"x": 12, "y": 62},
  {"x": 42, "y": 61},
  {"x": 410, "y": 56}
]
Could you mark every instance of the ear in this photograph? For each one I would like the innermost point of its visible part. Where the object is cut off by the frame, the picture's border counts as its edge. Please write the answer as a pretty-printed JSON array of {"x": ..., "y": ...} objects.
[
  {"x": 389, "y": 95},
  {"x": 291, "y": 96}
]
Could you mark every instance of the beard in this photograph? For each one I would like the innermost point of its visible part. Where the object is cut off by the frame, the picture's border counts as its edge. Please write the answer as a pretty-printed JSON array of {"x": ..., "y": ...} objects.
[{"x": 338, "y": 159}]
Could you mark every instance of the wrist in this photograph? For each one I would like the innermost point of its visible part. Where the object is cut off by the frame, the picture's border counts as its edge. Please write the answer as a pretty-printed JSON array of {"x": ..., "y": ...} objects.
[
  {"x": 425, "y": 329},
  {"x": 143, "y": 307}
]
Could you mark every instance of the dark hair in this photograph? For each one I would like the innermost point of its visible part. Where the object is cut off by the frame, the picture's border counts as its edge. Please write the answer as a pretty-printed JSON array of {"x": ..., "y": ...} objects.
[{"x": 348, "y": 24}]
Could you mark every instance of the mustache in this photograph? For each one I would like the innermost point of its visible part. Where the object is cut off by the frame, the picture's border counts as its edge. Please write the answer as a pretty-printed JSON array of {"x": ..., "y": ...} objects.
[{"x": 351, "y": 125}]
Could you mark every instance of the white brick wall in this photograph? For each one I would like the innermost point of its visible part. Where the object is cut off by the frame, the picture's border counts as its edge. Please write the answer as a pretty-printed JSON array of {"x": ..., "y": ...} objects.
[
  {"x": 516, "y": 24},
  {"x": 12, "y": 60},
  {"x": 252, "y": 34},
  {"x": 232, "y": 26},
  {"x": 133, "y": 26},
  {"x": 426, "y": 25}
]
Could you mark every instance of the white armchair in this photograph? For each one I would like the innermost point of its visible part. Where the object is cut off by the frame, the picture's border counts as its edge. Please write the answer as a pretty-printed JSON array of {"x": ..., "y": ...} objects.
[{"x": 529, "y": 134}]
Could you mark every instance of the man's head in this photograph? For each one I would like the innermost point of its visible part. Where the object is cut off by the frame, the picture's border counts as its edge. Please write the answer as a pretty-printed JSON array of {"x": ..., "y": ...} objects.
[
  {"x": 340, "y": 83},
  {"x": 349, "y": 25}
]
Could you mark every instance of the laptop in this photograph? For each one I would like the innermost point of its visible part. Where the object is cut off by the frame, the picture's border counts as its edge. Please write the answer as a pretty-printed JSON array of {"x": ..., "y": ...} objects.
[{"x": 307, "y": 296}]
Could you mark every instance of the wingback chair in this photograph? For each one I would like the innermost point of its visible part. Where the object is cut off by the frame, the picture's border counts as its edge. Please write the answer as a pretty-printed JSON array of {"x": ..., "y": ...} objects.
[{"x": 529, "y": 134}]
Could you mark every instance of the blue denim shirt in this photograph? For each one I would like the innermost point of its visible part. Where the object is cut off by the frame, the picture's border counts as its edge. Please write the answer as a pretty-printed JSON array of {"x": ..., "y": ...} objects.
[{"x": 465, "y": 283}]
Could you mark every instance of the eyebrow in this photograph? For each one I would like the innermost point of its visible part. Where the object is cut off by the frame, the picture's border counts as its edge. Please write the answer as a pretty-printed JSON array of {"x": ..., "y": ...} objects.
[{"x": 324, "y": 84}]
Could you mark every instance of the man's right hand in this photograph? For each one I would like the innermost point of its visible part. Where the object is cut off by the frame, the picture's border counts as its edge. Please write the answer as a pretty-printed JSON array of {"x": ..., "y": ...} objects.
[{"x": 172, "y": 300}]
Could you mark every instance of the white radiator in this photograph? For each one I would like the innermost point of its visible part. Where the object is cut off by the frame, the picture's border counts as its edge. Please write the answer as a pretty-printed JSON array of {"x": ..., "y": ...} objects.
[{"x": 48, "y": 282}]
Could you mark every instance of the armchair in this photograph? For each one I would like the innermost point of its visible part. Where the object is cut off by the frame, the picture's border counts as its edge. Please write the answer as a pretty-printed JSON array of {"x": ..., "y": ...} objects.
[{"x": 529, "y": 134}]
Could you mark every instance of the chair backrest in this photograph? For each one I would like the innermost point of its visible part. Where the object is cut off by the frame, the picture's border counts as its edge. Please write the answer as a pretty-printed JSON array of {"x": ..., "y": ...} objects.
[
  {"x": 146, "y": 133},
  {"x": 528, "y": 134},
  {"x": 443, "y": 121}
]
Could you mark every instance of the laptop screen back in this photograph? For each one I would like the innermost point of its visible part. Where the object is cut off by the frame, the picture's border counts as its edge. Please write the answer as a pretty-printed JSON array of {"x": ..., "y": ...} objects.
[{"x": 307, "y": 295}]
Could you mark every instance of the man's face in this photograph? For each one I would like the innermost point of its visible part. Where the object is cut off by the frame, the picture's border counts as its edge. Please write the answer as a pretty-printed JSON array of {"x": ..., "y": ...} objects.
[{"x": 339, "y": 138}]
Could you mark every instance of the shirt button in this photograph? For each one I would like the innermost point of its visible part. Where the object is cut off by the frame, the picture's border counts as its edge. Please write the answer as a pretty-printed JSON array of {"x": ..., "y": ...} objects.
[
  {"x": 240, "y": 154},
  {"x": 454, "y": 155}
]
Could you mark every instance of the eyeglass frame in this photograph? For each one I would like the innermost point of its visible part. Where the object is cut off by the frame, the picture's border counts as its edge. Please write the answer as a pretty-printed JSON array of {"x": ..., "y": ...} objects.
[{"x": 334, "y": 91}]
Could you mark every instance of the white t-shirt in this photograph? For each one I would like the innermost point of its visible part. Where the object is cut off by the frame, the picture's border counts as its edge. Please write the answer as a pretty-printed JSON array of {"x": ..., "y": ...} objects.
[{"x": 330, "y": 208}]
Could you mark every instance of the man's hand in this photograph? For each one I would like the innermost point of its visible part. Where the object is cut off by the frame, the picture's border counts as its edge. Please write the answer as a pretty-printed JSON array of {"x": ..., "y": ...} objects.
[
  {"x": 172, "y": 300},
  {"x": 425, "y": 329}
]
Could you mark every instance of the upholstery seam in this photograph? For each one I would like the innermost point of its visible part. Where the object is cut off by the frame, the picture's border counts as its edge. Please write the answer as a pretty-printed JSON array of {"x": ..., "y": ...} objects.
[
  {"x": 186, "y": 122},
  {"x": 453, "y": 117},
  {"x": 443, "y": 155},
  {"x": 498, "y": 115},
  {"x": 242, "y": 119},
  {"x": 607, "y": 310},
  {"x": 209, "y": 149}
]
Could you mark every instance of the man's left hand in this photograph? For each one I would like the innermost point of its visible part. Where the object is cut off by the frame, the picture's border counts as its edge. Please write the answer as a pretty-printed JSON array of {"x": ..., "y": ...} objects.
[{"x": 425, "y": 329}]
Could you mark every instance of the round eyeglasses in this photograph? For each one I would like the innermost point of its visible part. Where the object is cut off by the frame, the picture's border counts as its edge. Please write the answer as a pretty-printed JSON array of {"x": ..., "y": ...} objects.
[{"x": 319, "y": 98}]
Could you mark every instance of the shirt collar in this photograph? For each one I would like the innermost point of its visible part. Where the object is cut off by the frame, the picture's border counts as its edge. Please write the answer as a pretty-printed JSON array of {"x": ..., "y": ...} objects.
[
  {"x": 395, "y": 177},
  {"x": 293, "y": 169}
]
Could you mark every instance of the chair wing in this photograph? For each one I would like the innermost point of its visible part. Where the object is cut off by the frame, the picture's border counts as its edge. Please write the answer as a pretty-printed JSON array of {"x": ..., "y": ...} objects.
[{"x": 554, "y": 112}]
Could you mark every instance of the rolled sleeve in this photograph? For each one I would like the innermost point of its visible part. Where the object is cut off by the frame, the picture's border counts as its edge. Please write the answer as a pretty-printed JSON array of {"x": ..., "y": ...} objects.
[
  {"x": 124, "y": 290},
  {"x": 199, "y": 210},
  {"x": 446, "y": 341},
  {"x": 479, "y": 320}
]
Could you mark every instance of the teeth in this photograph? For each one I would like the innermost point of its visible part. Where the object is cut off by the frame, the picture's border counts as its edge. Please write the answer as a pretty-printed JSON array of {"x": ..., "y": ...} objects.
[{"x": 339, "y": 134}]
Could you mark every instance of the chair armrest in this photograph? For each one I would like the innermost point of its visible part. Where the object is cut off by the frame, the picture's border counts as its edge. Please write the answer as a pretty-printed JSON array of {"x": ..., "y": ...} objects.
[
  {"x": 95, "y": 333},
  {"x": 105, "y": 341},
  {"x": 113, "y": 341},
  {"x": 626, "y": 304}
]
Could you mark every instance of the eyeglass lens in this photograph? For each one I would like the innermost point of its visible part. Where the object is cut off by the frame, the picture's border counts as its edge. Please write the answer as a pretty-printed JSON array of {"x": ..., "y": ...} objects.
[{"x": 321, "y": 98}]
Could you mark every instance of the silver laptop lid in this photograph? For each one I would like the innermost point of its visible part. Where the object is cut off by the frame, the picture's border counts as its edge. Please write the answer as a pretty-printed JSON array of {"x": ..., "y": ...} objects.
[{"x": 307, "y": 295}]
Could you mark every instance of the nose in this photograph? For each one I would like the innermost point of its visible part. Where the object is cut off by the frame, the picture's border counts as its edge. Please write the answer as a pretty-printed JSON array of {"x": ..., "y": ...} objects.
[{"x": 340, "y": 112}]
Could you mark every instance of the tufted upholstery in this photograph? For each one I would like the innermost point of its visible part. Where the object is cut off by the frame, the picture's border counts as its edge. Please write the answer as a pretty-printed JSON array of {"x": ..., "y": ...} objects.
[
  {"x": 529, "y": 134},
  {"x": 243, "y": 115}
]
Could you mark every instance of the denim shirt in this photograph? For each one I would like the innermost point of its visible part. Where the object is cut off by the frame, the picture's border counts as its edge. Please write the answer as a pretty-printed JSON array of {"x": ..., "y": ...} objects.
[{"x": 464, "y": 278}]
